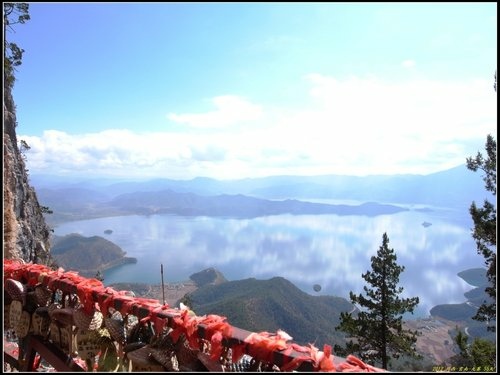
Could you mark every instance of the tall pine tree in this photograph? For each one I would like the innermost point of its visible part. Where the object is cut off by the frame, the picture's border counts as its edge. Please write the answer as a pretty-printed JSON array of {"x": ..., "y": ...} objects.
[
  {"x": 485, "y": 228},
  {"x": 377, "y": 329},
  {"x": 13, "y": 13},
  {"x": 480, "y": 354}
]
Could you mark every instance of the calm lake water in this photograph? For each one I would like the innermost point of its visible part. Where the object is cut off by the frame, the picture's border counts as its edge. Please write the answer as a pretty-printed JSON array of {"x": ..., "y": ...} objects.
[{"x": 329, "y": 250}]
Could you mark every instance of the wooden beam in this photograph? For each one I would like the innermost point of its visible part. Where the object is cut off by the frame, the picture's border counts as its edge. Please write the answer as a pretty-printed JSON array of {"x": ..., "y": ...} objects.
[{"x": 50, "y": 353}]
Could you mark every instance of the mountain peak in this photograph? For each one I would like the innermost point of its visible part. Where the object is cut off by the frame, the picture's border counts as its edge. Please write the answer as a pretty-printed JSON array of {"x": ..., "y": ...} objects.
[
  {"x": 209, "y": 276},
  {"x": 273, "y": 304}
]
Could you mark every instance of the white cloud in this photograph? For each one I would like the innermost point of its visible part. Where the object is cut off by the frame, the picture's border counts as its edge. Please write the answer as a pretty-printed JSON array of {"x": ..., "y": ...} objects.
[
  {"x": 231, "y": 110},
  {"x": 350, "y": 126},
  {"x": 385, "y": 125},
  {"x": 408, "y": 63}
]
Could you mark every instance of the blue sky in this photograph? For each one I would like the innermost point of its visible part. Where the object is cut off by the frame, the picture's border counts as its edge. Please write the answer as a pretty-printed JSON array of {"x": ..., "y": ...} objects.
[{"x": 234, "y": 90}]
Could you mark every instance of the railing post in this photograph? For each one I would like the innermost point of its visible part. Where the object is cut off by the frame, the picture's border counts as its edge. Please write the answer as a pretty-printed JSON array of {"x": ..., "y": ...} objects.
[
  {"x": 49, "y": 352},
  {"x": 27, "y": 357}
]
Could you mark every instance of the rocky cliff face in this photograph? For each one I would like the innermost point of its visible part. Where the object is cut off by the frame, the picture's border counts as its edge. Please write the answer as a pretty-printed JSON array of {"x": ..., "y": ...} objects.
[{"x": 26, "y": 234}]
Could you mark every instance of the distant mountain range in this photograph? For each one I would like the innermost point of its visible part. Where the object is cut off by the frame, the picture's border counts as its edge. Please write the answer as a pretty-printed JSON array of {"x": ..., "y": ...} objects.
[
  {"x": 73, "y": 200},
  {"x": 187, "y": 204}
]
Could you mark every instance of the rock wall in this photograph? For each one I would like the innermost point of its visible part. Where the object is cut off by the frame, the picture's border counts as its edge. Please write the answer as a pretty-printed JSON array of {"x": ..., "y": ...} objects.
[{"x": 26, "y": 234}]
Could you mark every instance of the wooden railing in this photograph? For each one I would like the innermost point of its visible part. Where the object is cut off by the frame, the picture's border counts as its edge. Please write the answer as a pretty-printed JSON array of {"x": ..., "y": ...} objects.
[{"x": 210, "y": 340}]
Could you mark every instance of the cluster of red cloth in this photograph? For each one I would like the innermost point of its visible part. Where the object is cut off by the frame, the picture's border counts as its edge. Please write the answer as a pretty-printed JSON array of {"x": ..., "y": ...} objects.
[{"x": 93, "y": 294}]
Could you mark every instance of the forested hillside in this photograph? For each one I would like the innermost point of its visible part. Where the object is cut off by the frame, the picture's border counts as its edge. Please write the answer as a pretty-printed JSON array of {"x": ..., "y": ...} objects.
[
  {"x": 268, "y": 305},
  {"x": 87, "y": 255}
]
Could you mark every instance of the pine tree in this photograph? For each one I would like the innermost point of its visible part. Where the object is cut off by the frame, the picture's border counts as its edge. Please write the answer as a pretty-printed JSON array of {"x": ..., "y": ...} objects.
[
  {"x": 377, "y": 329},
  {"x": 463, "y": 358},
  {"x": 13, "y": 13},
  {"x": 485, "y": 227},
  {"x": 480, "y": 354}
]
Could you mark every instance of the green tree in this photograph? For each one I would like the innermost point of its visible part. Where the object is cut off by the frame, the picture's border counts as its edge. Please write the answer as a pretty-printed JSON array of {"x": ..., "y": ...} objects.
[
  {"x": 377, "y": 329},
  {"x": 481, "y": 353},
  {"x": 13, "y": 13},
  {"x": 46, "y": 210},
  {"x": 485, "y": 227},
  {"x": 23, "y": 148},
  {"x": 463, "y": 358}
]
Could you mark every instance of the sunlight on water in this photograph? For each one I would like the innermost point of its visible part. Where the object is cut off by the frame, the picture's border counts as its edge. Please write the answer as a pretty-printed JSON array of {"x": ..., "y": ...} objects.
[{"x": 328, "y": 250}]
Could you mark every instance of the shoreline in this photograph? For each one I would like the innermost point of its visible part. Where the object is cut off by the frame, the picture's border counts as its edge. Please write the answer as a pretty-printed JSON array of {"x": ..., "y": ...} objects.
[{"x": 116, "y": 263}]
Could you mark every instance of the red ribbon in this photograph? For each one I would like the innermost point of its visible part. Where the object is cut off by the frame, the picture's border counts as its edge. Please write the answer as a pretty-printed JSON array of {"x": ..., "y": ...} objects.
[
  {"x": 34, "y": 272},
  {"x": 353, "y": 363},
  {"x": 259, "y": 345},
  {"x": 262, "y": 345},
  {"x": 216, "y": 329},
  {"x": 85, "y": 292},
  {"x": 187, "y": 325},
  {"x": 159, "y": 322},
  {"x": 14, "y": 269}
]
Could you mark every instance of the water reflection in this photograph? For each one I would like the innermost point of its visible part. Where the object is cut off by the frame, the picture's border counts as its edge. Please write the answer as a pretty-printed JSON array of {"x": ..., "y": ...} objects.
[{"x": 329, "y": 250}]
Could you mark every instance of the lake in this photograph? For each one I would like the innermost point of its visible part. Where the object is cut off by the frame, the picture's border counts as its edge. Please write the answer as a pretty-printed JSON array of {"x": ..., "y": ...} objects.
[{"x": 329, "y": 250}]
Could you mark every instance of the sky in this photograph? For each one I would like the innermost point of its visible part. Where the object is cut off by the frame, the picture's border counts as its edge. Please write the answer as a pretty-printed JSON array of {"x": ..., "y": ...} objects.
[{"x": 239, "y": 90}]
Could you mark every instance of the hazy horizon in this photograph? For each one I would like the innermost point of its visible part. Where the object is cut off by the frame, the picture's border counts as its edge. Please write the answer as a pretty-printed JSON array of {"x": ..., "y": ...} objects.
[{"x": 124, "y": 178}]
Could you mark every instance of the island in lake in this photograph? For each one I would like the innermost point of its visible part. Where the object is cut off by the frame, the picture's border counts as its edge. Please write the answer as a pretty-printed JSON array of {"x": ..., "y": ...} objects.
[{"x": 87, "y": 255}]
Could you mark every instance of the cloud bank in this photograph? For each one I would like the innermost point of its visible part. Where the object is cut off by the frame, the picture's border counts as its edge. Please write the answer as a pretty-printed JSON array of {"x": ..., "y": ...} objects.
[{"x": 353, "y": 126}]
